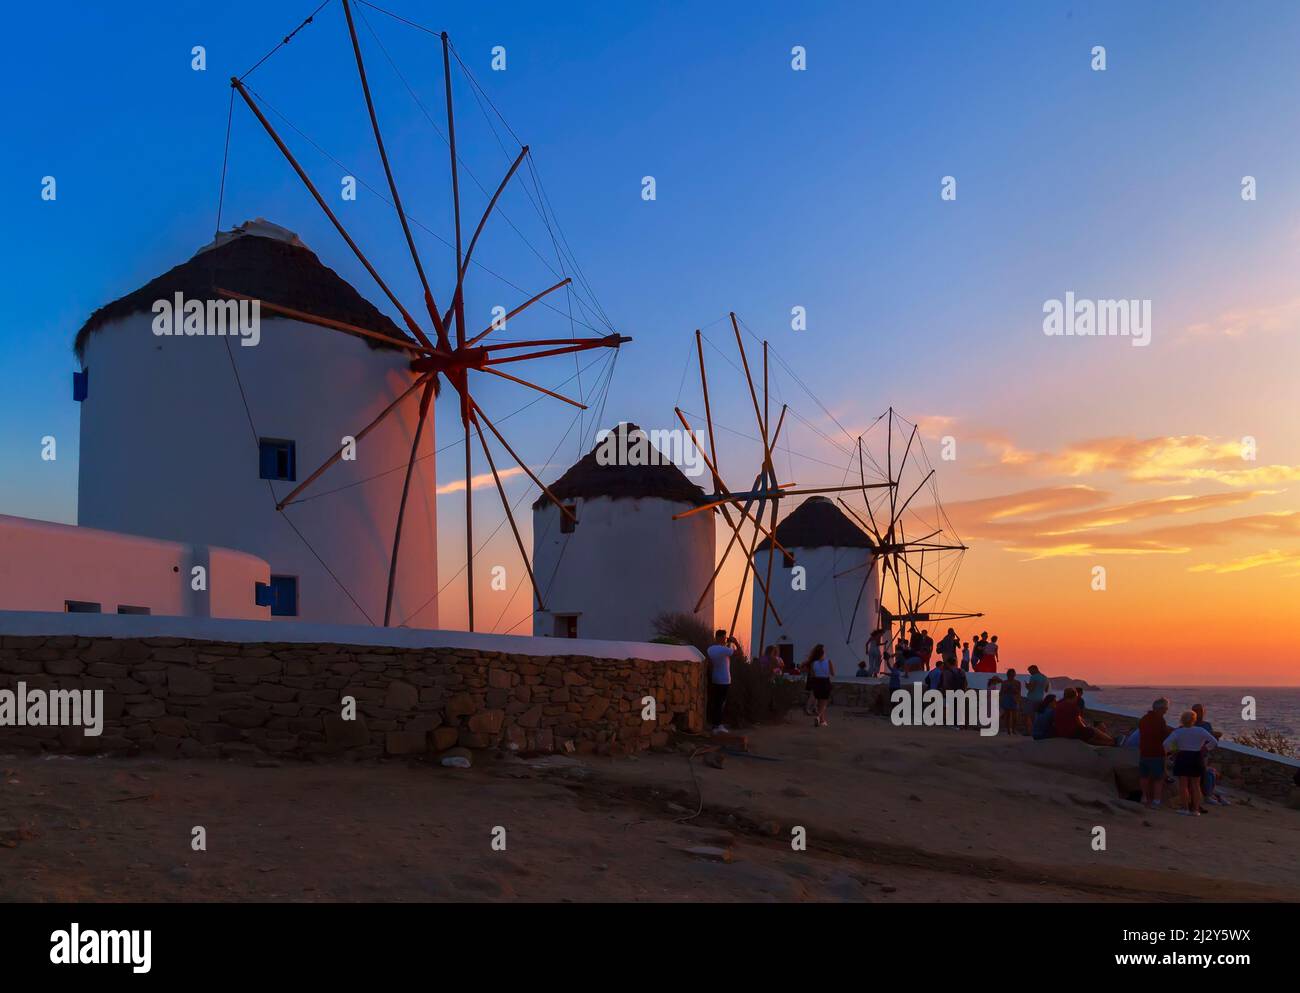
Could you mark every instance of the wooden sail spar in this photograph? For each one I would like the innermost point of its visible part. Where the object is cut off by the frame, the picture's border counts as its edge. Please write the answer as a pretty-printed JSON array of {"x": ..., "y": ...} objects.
[{"x": 451, "y": 356}]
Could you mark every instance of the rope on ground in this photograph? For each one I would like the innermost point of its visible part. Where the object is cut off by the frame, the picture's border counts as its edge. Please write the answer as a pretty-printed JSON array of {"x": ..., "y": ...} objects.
[{"x": 699, "y": 790}]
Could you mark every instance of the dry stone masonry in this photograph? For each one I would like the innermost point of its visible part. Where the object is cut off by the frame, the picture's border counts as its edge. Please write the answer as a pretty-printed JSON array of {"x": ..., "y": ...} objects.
[{"x": 208, "y": 699}]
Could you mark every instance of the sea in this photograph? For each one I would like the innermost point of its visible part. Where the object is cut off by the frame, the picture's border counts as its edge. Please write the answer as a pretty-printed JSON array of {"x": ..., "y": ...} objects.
[{"x": 1277, "y": 708}]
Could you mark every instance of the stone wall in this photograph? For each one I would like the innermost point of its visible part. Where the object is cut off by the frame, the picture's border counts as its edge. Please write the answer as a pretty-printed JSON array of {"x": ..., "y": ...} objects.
[
  {"x": 209, "y": 699},
  {"x": 1244, "y": 768}
]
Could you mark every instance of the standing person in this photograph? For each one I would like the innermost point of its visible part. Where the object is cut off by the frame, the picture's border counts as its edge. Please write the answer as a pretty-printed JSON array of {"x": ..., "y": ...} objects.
[
  {"x": 948, "y": 646},
  {"x": 720, "y": 655},
  {"x": 1209, "y": 782},
  {"x": 770, "y": 663},
  {"x": 1009, "y": 701},
  {"x": 873, "y": 654},
  {"x": 886, "y": 649},
  {"x": 977, "y": 654},
  {"x": 1189, "y": 745},
  {"x": 991, "y": 649},
  {"x": 965, "y": 657},
  {"x": 1199, "y": 710},
  {"x": 1152, "y": 732},
  {"x": 809, "y": 703},
  {"x": 1035, "y": 690},
  {"x": 822, "y": 670},
  {"x": 895, "y": 679},
  {"x": 927, "y": 648}
]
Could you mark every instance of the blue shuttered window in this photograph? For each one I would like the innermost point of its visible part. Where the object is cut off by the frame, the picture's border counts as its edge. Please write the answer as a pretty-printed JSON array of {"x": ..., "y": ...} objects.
[{"x": 277, "y": 459}]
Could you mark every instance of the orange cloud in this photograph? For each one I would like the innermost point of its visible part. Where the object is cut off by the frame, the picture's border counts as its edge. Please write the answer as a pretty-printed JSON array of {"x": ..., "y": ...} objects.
[
  {"x": 479, "y": 482},
  {"x": 1076, "y": 520},
  {"x": 1271, "y": 557},
  {"x": 1164, "y": 459}
]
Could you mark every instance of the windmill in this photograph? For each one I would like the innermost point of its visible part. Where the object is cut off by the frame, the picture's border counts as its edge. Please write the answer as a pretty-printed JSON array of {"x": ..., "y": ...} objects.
[
  {"x": 762, "y": 496},
  {"x": 443, "y": 346},
  {"x": 903, "y": 559}
]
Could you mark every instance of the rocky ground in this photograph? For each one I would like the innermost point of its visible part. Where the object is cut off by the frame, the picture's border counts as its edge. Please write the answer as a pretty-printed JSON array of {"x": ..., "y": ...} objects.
[{"x": 889, "y": 814}]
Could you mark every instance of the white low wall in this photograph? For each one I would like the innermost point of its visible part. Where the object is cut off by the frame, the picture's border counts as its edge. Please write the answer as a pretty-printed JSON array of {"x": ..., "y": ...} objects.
[
  {"x": 43, "y": 565},
  {"x": 28, "y": 624}
]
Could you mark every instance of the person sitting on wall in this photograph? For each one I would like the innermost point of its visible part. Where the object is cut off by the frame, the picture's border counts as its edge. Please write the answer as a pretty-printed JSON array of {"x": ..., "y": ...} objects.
[
  {"x": 1069, "y": 722},
  {"x": 912, "y": 660},
  {"x": 933, "y": 678},
  {"x": 952, "y": 678},
  {"x": 1045, "y": 718}
]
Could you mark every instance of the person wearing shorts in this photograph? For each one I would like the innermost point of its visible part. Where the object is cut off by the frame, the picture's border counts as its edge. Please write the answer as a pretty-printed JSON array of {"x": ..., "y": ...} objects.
[
  {"x": 820, "y": 670},
  {"x": 1189, "y": 745},
  {"x": 1152, "y": 732},
  {"x": 1009, "y": 701}
]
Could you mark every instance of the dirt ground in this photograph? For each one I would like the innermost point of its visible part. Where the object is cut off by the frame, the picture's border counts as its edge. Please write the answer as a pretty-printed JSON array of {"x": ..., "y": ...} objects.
[{"x": 890, "y": 814}]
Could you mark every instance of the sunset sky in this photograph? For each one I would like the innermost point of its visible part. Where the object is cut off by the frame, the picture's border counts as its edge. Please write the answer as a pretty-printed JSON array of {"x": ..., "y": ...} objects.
[{"x": 775, "y": 189}]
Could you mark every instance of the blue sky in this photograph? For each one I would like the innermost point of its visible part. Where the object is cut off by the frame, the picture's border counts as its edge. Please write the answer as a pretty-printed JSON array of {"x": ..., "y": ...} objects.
[{"x": 775, "y": 188}]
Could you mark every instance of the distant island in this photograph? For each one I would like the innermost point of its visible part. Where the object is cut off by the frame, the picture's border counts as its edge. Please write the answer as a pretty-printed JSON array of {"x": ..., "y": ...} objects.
[{"x": 1061, "y": 682}]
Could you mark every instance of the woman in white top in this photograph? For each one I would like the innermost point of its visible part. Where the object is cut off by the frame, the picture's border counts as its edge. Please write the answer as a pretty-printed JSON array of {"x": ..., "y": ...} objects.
[
  {"x": 821, "y": 669},
  {"x": 1189, "y": 745}
]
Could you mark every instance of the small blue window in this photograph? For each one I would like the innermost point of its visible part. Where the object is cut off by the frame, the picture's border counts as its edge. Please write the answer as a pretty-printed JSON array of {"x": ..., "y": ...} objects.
[
  {"x": 80, "y": 385},
  {"x": 277, "y": 459},
  {"x": 262, "y": 595},
  {"x": 284, "y": 596}
]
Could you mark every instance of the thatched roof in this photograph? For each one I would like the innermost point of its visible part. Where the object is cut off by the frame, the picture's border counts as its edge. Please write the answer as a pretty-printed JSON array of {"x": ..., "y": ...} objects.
[
  {"x": 818, "y": 523},
  {"x": 587, "y": 478},
  {"x": 260, "y": 260}
]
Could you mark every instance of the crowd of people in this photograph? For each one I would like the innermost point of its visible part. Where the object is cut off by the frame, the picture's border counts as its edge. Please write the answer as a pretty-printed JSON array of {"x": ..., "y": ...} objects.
[
  {"x": 915, "y": 652},
  {"x": 1165, "y": 755}
]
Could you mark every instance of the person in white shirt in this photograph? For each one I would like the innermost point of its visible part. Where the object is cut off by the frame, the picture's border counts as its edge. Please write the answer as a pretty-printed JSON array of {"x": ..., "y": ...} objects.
[
  {"x": 720, "y": 655},
  {"x": 1189, "y": 745}
]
